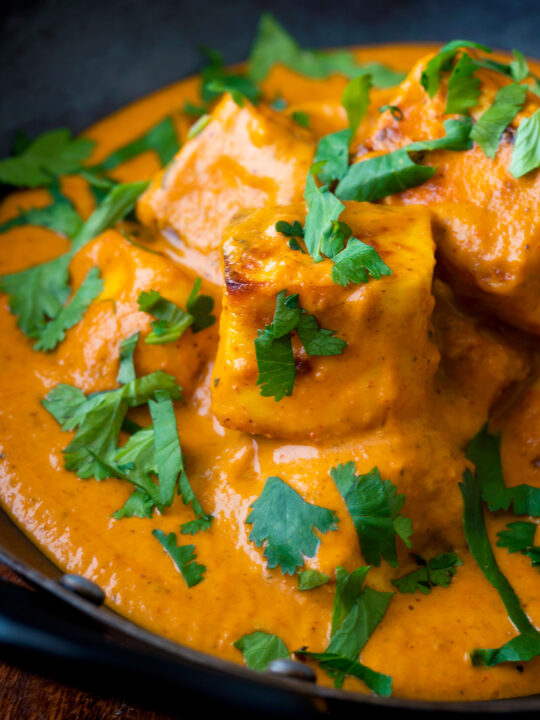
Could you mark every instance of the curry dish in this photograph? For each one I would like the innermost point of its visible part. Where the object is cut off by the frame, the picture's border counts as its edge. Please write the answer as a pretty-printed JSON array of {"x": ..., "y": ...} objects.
[{"x": 327, "y": 447}]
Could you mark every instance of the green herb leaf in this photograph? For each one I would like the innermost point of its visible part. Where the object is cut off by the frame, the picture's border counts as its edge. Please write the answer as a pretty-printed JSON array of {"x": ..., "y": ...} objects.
[
  {"x": 311, "y": 579},
  {"x": 490, "y": 126},
  {"x": 519, "y": 537},
  {"x": 49, "y": 156},
  {"x": 301, "y": 118},
  {"x": 527, "y": 644},
  {"x": 463, "y": 87},
  {"x": 377, "y": 682},
  {"x": 284, "y": 522},
  {"x": 72, "y": 313},
  {"x": 355, "y": 100},
  {"x": 216, "y": 80},
  {"x": 394, "y": 172},
  {"x": 60, "y": 216},
  {"x": 126, "y": 369},
  {"x": 443, "y": 61},
  {"x": 290, "y": 230},
  {"x": 198, "y": 126},
  {"x": 273, "y": 347},
  {"x": 396, "y": 113},
  {"x": 172, "y": 320},
  {"x": 200, "y": 524},
  {"x": 183, "y": 556},
  {"x": 333, "y": 151},
  {"x": 273, "y": 45},
  {"x": 99, "y": 419},
  {"x": 357, "y": 263},
  {"x": 484, "y": 452},
  {"x": 260, "y": 648},
  {"x": 438, "y": 571},
  {"x": 200, "y": 308},
  {"x": 526, "y": 153},
  {"x": 323, "y": 210},
  {"x": 374, "y": 506},
  {"x": 139, "y": 504}
]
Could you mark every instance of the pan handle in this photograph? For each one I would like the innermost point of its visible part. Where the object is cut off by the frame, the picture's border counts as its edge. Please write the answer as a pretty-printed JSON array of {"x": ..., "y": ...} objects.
[{"x": 43, "y": 635}]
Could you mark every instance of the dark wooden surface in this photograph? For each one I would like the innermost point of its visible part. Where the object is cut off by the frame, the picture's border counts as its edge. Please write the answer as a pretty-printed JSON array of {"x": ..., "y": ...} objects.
[{"x": 26, "y": 696}]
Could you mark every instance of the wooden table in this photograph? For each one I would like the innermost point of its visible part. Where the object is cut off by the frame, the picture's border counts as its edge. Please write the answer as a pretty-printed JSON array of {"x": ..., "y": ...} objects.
[{"x": 26, "y": 696}]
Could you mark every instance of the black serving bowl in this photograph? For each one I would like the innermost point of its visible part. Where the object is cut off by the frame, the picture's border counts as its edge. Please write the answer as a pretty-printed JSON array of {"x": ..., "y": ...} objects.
[{"x": 69, "y": 63}]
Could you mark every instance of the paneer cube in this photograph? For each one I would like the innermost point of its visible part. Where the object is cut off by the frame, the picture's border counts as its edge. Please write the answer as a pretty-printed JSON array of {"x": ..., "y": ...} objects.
[
  {"x": 91, "y": 348},
  {"x": 246, "y": 157},
  {"x": 487, "y": 224},
  {"x": 386, "y": 370}
]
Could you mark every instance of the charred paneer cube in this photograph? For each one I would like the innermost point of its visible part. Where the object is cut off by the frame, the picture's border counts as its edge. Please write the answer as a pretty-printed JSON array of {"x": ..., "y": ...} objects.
[
  {"x": 245, "y": 157},
  {"x": 385, "y": 371},
  {"x": 486, "y": 221}
]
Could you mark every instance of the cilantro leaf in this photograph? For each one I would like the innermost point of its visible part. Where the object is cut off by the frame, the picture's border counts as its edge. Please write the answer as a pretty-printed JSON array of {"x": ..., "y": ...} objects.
[
  {"x": 60, "y": 216},
  {"x": 301, "y": 118},
  {"x": 526, "y": 644},
  {"x": 260, "y": 648},
  {"x": 358, "y": 609},
  {"x": 355, "y": 100},
  {"x": 161, "y": 139},
  {"x": 72, "y": 313},
  {"x": 377, "y": 682},
  {"x": 396, "y": 113},
  {"x": 139, "y": 504},
  {"x": 290, "y": 230},
  {"x": 273, "y": 346},
  {"x": 273, "y": 45},
  {"x": 171, "y": 322},
  {"x": 357, "y": 263},
  {"x": 200, "y": 308},
  {"x": 323, "y": 210},
  {"x": 284, "y": 522},
  {"x": 463, "y": 87},
  {"x": 126, "y": 368},
  {"x": 519, "y": 537},
  {"x": 38, "y": 294},
  {"x": 311, "y": 579},
  {"x": 316, "y": 340},
  {"x": 215, "y": 80},
  {"x": 442, "y": 62},
  {"x": 200, "y": 524},
  {"x": 394, "y": 172},
  {"x": 49, "y": 156},
  {"x": 490, "y": 126},
  {"x": 374, "y": 507},
  {"x": 183, "y": 556},
  {"x": 484, "y": 453},
  {"x": 275, "y": 362},
  {"x": 169, "y": 460},
  {"x": 439, "y": 570},
  {"x": 526, "y": 153},
  {"x": 333, "y": 151},
  {"x": 198, "y": 126},
  {"x": 99, "y": 418}
]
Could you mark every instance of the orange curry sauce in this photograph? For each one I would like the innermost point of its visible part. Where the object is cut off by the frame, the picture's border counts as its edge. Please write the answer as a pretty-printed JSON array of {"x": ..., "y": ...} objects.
[{"x": 433, "y": 404}]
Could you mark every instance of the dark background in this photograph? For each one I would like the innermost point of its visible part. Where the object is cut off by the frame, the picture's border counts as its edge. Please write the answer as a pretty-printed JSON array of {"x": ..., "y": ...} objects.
[{"x": 69, "y": 62}]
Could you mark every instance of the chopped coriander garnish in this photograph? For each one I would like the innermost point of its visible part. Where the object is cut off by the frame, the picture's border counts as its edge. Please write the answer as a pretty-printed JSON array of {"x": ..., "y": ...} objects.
[
  {"x": 215, "y": 80},
  {"x": 284, "y": 522},
  {"x": 463, "y": 87},
  {"x": 357, "y": 263},
  {"x": 301, "y": 118},
  {"x": 355, "y": 100},
  {"x": 37, "y": 295},
  {"x": 526, "y": 645},
  {"x": 183, "y": 556},
  {"x": 139, "y": 504},
  {"x": 46, "y": 158},
  {"x": 172, "y": 321},
  {"x": 323, "y": 210},
  {"x": 273, "y": 45},
  {"x": 293, "y": 229},
  {"x": 60, "y": 216},
  {"x": 72, "y": 312},
  {"x": 260, "y": 648},
  {"x": 374, "y": 506},
  {"x": 526, "y": 153},
  {"x": 394, "y": 172},
  {"x": 311, "y": 579},
  {"x": 519, "y": 537},
  {"x": 273, "y": 347},
  {"x": 484, "y": 453},
  {"x": 333, "y": 154},
  {"x": 126, "y": 368},
  {"x": 358, "y": 609},
  {"x": 442, "y": 63},
  {"x": 438, "y": 571},
  {"x": 490, "y": 126}
]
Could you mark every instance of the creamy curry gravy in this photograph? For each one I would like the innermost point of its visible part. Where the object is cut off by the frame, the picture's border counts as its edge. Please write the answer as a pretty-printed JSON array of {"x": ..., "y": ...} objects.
[{"x": 424, "y": 641}]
